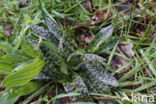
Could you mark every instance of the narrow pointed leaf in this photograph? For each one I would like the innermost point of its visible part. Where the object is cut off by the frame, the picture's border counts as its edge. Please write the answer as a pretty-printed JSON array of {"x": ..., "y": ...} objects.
[
  {"x": 100, "y": 73},
  {"x": 40, "y": 30},
  {"x": 94, "y": 85},
  {"x": 100, "y": 38},
  {"x": 92, "y": 57},
  {"x": 54, "y": 28},
  {"x": 77, "y": 86}
]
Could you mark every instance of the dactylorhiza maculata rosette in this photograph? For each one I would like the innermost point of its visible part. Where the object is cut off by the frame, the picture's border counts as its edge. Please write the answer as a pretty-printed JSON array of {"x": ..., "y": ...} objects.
[{"x": 78, "y": 71}]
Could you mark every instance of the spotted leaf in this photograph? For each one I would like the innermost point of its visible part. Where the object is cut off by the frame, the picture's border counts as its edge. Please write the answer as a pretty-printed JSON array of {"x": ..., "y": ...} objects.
[
  {"x": 77, "y": 86},
  {"x": 92, "y": 57},
  {"x": 54, "y": 28},
  {"x": 100, "y": 38},
  {"x": 40, "y": 30},
  {"x": 100, "y": 73}
]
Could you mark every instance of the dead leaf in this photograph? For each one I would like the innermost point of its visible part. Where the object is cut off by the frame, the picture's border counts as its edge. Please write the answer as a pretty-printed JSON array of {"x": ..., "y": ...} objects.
[
  {"x": 8, "y": 28},
  {"x": 66, "y": 22},
  {"x": 127, "y": 49},
  {"x": 100, "y": 102},
  {"x": 117, "y": 62},
  {"x": 88, "y": 5},
  {"x": 124, "y": 6},
  {"x": 87, "y": 39},
  {"x": 152, "y": 37},
  {"x": 99, "y": 16},
  {"x": 85, "y": 24},
  {"x": 123, "y": 1},
  {"x": 1, "y": 18},
  {"x": 23, "y": 3}
]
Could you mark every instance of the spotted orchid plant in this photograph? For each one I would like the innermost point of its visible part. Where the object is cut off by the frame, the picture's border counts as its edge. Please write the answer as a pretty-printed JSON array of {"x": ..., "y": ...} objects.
[{"x": 62, "y": 61}]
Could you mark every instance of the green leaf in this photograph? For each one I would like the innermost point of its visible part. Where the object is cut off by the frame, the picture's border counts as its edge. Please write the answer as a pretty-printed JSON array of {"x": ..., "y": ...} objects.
[
  {"x": 24, "y": 73},
  {"x": 64, "y": 68},
  {"x": 145, "y": 86},
  {"x": 50, "y": 45},
  {"x": 14, "y": 58},
  {"x": 57, "y": 14},
  {"x": 28, "y": 88},
  {"x": 38, "y": 92},
  {"x": 77, "y": 52},
  {"x": 28, "y": 49},
  {"x": 5, "y": 68},
  {"x": 7, "y": 47},
  {"x": 151, "y": 66},
  {"x": 8, "y": 98},
  {"x": 66, "y": 95}
]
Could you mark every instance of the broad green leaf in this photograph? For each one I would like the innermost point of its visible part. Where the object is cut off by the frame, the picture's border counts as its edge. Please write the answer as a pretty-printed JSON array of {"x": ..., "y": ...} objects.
[
  {"x": 5, "y": 68},
  {"x": 28, "y": 88},
  {"x": 7, "y": 47},
  {"x": 8, "y": 98},
  {"x": 38, "y": 92},
  {"x": 29, "y": 49},
  {"x": 24, "y": 73},
  {"x": 2, "y": 35},
  {"x": 14, "y": 58}
]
